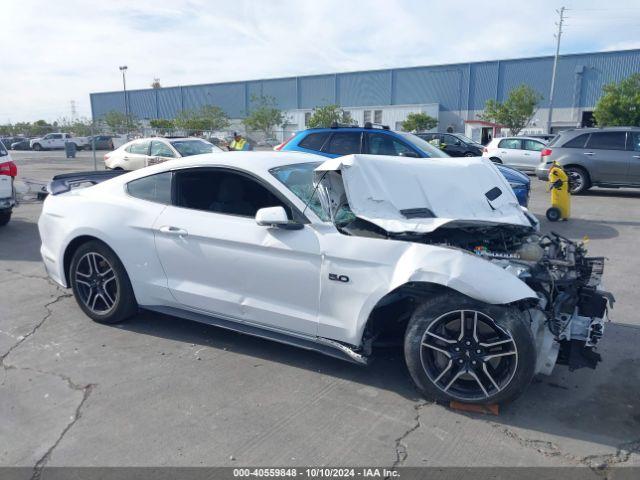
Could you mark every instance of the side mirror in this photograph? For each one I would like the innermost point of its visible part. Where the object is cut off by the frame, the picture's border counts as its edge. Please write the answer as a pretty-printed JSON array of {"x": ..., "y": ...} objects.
[
  {"x": 408, "y": 154},
  {"x": 276, "y": 217}
]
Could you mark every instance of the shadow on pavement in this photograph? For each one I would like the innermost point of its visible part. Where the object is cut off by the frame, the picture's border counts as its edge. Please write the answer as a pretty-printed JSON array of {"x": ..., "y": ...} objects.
[
  {"x": 24, "y": 235},
  {"x": 599, "y": 406},
  {"x": 577, "y": 228}
]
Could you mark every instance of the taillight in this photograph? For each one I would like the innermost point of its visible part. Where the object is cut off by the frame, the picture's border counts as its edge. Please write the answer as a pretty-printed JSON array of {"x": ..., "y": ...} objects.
[
  {"x": 106, "y": 157},
  {"x": 277, "y": 148},
  {"x": 545, "y": 152},
  {"x": 8, "y": 168}
]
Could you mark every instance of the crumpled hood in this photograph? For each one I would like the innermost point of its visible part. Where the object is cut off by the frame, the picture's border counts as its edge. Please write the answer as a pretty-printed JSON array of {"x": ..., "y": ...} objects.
[{"x": 401, "y": 194}]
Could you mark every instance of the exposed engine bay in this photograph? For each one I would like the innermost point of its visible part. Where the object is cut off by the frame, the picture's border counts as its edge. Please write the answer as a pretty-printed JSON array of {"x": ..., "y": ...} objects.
[{"x": 572, "y": 309}]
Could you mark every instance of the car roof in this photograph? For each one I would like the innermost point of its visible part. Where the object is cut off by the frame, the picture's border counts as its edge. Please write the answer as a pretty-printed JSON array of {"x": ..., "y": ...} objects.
[
  {"x": 259, "y": 162},
  {"x": 519, "y": 137},
  {"x": 597, "y": 129}
]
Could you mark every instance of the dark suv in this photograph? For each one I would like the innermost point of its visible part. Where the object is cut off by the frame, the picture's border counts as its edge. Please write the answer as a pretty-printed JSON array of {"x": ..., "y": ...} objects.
[
  {"x": 595, "y": 157},
  {"x": 454, "y": 144}
]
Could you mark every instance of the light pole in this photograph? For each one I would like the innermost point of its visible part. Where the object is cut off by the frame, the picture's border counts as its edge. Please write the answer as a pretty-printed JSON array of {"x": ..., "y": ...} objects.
[
  {"x": 555, "y": 66},
  {"x": 123, "y": 69}
]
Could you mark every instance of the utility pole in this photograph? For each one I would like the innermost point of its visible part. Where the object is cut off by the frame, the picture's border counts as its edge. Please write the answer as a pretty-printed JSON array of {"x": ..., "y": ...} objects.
[
  {"x": 555, "y": 66},
  {"x": 73, "y": 110},
  {"x": 123, "y": 69}
]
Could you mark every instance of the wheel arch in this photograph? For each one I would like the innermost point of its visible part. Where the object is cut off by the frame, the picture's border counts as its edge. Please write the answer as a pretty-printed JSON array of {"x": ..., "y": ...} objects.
[{"x": 73, "y": 246}]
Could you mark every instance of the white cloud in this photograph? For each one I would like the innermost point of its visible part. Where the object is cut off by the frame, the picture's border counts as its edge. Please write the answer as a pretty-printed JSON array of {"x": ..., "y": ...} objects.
[{"x": 63, "y": 50}]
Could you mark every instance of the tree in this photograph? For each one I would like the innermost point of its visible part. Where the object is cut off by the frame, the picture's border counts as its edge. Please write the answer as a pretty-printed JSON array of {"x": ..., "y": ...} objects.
[
  {"x": 80, "y": 127},
  {"x": 620, "y": 103},
  {"x": 418, "y": 122},
  {"x": 516, "y": 111},
  {"x": 265, "y": 116},
  {"x": 162, "y": 124},
  {"x": 118, "y": 121},
  {"x": 208, "y": 118},
  {"x": 324, "y": 117}
]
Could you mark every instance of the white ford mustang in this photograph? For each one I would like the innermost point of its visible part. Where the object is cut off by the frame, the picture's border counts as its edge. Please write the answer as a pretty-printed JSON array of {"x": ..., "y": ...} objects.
[{"x": 338, "y": 256}]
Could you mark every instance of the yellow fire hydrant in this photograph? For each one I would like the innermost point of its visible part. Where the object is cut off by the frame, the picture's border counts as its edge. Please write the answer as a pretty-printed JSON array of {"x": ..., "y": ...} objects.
[{"x": 560, "y": 197}]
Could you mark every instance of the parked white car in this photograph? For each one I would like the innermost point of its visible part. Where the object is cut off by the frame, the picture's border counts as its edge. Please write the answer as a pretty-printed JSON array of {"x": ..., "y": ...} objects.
[
  {"x": 522, "y": 153},
  {"x": 8, "y": 172},
  {"x": 150, "y": 151},
  {"x": 336, "y": 255},
  {"x": 56, "y": 141}
]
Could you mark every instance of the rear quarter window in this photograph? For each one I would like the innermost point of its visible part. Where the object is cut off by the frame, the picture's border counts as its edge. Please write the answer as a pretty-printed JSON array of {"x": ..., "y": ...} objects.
[
  {"x": 607, "y": 141},
  {"x": 154, "y": 188}
]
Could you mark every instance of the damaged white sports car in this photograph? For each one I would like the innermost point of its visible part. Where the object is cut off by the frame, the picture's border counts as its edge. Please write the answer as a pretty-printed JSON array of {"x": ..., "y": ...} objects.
[{"x": 336, "y": 256}]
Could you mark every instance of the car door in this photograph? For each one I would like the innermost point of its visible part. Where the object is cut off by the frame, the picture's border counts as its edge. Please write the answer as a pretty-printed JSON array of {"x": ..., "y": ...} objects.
[
  {"x": 160, "y": 152},
  {"x": 633, "y": 147},
  {"x": 378, "y": 143},
  {"x": 531, "y": 153},
  {"x": 510, "y": 151},
  {"x": 136, "y": 155},
  {"x": 452, "y": 145},
  {"x": 219, "y": 260},
  {"x": 609, "y": 158}
]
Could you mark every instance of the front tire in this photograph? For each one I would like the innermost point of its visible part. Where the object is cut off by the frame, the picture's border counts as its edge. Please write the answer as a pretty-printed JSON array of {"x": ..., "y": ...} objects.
[
  {"x": 100, "y": 284},
  {"x": 37, "y": 147},
  {"x": 4, "y": 218},
  {"x": 460, "y": 349}
]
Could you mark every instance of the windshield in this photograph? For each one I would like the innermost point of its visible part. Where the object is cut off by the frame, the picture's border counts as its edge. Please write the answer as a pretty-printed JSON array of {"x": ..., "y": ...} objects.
[
  {"x": 186, "y": 148},
  {"x": 426, "y": 147},
  {"x": 299, "y": 179}
]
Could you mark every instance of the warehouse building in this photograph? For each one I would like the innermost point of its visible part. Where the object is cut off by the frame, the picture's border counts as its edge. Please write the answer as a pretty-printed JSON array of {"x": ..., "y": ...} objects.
[{"x": 454, "y": 94}]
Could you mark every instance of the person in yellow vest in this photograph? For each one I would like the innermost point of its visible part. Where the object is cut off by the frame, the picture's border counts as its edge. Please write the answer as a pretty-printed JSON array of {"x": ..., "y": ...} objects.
[{"x": 238, "y": 143}]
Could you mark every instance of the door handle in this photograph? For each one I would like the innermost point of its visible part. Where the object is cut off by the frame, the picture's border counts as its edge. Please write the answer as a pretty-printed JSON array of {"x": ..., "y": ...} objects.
[
  {"x": 173, "y": 230},
  {"x": 528, "y": 154},
  {"x": 589, "y": 153}
]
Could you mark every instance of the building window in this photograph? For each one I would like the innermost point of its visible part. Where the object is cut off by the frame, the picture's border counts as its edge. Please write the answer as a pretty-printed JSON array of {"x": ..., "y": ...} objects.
[
  {"x": 377, "y": 116},
  {"x": 307, "y": 117},
  {"x": 367, "y": 116}
]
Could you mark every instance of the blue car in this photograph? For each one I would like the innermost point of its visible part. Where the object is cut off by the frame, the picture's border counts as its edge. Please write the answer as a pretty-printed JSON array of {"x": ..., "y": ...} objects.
[{"x": 379, "y": 140}]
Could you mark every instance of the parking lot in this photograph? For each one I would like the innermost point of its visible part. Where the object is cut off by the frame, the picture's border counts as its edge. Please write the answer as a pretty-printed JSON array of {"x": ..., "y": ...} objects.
[{"x": 160, "y": 391}]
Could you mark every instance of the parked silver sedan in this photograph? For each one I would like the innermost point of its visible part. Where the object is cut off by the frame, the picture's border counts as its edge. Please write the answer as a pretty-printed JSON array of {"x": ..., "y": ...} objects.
[{"x": 522, "y": 153}]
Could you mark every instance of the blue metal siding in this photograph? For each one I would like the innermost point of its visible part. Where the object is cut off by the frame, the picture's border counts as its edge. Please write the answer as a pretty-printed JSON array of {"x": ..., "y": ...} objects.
[
  {"x": 455, "y": 87},
  {"x": 317, "y": 91},
  {"x": 366, "y": 88}
]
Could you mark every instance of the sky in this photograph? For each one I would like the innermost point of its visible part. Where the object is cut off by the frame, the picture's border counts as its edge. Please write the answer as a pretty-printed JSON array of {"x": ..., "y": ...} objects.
[{"x": 55, "y": 52}]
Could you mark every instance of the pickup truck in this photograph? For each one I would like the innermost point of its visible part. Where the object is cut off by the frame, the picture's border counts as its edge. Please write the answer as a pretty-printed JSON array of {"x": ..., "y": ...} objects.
[{"x": 53, "y": 141}]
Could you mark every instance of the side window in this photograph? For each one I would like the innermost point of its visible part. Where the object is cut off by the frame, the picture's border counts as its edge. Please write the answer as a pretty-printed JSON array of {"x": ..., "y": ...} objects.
[
  {"x": 607, "y": 141},
  {"x": 56, "y": 136},
  {"x": 161, "y": 149},
  {"x": 67, "y": 135},
  {"x": 510, "y": 143},
  {"x": 47, "y": 137},
  {"x": 383, "y": 144},
  {"x": 140, "y": 148},
  {"x": 223, "y": 191},
  {"x": 532, "y": 145},
  {"x": 451, "y": 140},
  {"x": 314, "y": 141},
  {"x": 155, "y": 188},
  {"x": 577, "y": 142},
  {"x": 634, "y": 141},
  {"x": 343, "y": 143}
]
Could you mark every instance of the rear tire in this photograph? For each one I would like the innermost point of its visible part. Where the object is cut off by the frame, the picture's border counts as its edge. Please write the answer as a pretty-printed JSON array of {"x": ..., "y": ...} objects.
[
  {"x": 579, "y": 181},
  {"x": 4, "y": 218},
  {"x": 489, "y": 357},
  {"x": 100, "y": 284},
  {"x": 37, "y": 147}
]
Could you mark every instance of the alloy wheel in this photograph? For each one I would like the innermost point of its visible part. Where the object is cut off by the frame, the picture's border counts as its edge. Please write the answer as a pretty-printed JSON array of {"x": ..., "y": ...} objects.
[
  {"x": 97, "y": 284},
  {"x": 576, "y": 180},
  {"x": 468, "y": 356}
]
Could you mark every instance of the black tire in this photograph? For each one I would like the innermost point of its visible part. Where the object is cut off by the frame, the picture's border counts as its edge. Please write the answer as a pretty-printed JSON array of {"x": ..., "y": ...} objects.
[
  {"x": 470, "y": 154},
  {"x": 579, "y": 180},
  {"x": 4, "y": 218},
  {"x": 103, "y": 297},
  {"x": 496, "y": 160},
  {"x": 553, "y": 214},
  {"x": 37, "y": 147},
  {"x": 516, "y": 360}
]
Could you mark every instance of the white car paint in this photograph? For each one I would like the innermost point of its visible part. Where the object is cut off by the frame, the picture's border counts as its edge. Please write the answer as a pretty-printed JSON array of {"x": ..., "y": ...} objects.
[
  {"x": 56, "y": 141},
  {"x": 231, "y": 266},
  {"x": 522, "y": 153},
  {"x": 142, "y": 152}
]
